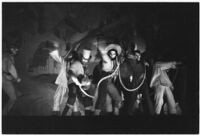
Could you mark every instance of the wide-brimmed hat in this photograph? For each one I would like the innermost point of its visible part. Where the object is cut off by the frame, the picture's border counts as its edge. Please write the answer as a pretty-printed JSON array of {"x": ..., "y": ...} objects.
[
  {"x": 50, "y": 46},
  {"x": 114, "y": 47}
]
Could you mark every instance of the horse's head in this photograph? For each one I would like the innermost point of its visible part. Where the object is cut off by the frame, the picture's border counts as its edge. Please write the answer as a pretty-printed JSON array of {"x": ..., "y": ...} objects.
[{"x": 131, "y": 73}]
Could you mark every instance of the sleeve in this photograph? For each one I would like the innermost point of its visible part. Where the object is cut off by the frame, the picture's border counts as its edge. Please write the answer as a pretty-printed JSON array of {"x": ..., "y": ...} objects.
[
  {"x": 155, "y": 77},
  {"x": 62, "y": 76},
  {"x": 55, "y": 55},
  {"x": 73, "y": 68},
  {"x": 164, "y": 65},
  {"x": 77, "y": 68},
  {"x": 106, "y": 58}
]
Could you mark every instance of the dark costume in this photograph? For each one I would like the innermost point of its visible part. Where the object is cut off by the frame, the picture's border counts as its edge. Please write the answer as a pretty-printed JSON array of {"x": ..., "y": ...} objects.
[
  {"x": 106, "y": 87},
  {"x": 77, "y": 100}
]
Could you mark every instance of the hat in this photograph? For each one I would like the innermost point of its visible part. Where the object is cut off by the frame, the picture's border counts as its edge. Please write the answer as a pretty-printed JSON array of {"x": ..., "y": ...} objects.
[
  {"x": 86, "y": 54},
  {"x": 114, "y": 47},
  {"x": 50, "y": 45}
]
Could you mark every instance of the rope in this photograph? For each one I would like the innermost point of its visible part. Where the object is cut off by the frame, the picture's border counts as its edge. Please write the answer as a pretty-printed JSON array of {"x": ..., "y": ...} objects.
[
  {"x": 106, "y": 77},
  {"x": 102, "y": 79},
  {"x": 134, "y": 89},
  {"x": 85, "y": 93}
]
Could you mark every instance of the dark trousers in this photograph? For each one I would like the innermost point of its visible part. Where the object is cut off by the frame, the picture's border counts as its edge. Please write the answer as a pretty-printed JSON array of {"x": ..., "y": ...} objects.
[
  {"x": 74, "y": 92},
  {"x": 107, "y": 87}
]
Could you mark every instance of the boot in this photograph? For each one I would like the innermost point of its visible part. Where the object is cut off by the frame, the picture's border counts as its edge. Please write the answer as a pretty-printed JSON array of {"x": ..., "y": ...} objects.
[
  {"x": 66, "y": 109},
  {"x": 76, "y": 113}
]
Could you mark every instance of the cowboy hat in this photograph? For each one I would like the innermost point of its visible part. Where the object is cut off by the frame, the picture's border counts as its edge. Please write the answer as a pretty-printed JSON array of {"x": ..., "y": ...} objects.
[{"x": 114, "y": 47}]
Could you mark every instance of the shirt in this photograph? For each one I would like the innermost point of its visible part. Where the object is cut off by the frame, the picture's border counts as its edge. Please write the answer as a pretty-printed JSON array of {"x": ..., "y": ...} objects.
[
  {"x": 62, "y": 76},
  {"x": 77, "y": 68},
  {"x": 160, "y": 76},
  {"x": 107, "y": 64}
]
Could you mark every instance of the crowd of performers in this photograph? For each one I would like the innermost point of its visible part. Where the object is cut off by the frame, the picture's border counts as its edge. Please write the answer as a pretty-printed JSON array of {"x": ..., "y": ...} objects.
[
  {"x": 104, "y": 91},
  {"x": 112, "y": 88}
]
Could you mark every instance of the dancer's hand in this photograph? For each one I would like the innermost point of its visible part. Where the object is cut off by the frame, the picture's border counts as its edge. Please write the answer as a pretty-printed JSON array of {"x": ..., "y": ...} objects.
[
  {"x": 174, "y": 65},
  {"x": 18, "y": 80}
]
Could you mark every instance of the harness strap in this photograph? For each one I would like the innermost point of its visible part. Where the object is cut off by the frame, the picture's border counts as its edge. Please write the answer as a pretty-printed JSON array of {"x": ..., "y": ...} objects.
[{"x": 134, "y": 89}]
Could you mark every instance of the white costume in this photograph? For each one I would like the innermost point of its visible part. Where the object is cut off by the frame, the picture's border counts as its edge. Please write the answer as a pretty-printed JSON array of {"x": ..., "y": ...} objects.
[
  {"x": 61, "y": 81},
  {"x": 163, "y": 86}
]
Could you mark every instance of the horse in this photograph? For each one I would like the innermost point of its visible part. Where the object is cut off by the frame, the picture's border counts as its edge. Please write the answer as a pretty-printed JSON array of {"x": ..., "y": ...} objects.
[{"x": 132, "y": 83}]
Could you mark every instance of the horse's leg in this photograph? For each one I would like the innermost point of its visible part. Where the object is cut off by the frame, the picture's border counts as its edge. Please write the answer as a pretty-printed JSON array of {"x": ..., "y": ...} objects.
[
  {"x": 148, "y": 105},
  {"x": 132, "y": 108},
  {"x": 123, "y": 109},
  {"x": 180, "y": 89}
]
